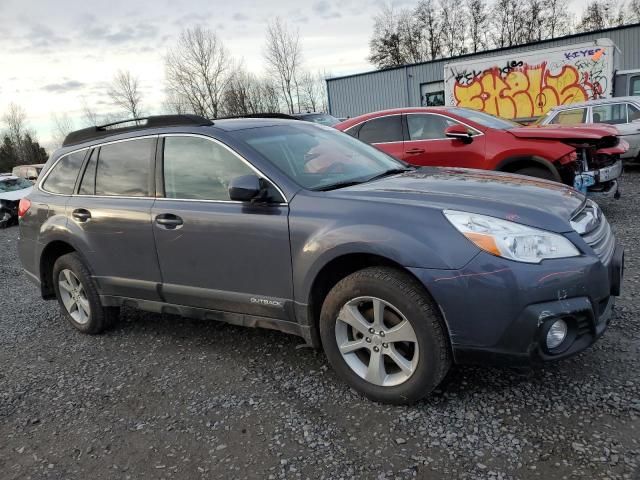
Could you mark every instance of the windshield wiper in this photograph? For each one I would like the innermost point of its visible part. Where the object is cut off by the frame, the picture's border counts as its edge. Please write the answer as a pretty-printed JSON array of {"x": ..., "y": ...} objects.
[
  {"x": 391, "y": 171},
  {"x": 350, "y": 183},
  {"x": 337, "y": 185}
]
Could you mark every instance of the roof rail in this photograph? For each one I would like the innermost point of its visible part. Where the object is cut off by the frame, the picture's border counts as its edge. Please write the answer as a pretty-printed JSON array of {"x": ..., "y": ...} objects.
[
  {"x": 261, "y": 115},
  {"x": 93, "y": 133}
]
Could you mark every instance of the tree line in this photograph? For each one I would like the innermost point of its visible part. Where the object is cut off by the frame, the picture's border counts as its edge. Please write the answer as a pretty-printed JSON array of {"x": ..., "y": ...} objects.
[
  {"x": 435, "y": 29},
  {"x": 203, "y": 78},
  {"x": 19, "y": 146}
]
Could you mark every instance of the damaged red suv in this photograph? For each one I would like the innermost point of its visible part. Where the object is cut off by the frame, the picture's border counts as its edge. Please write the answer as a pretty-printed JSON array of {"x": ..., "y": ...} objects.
[{"x": 586, "y": 157}]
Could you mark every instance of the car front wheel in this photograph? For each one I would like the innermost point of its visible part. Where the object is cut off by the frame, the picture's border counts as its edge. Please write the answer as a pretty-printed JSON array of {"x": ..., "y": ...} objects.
[{"x": 383, "y": 335}]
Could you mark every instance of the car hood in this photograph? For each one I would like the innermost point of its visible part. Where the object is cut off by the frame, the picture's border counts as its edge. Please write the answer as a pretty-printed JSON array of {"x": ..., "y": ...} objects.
[
  {"x": 527, "y": 200},
  {"x": 564, "y": 132},
  {"x": 16, "y": 194}
]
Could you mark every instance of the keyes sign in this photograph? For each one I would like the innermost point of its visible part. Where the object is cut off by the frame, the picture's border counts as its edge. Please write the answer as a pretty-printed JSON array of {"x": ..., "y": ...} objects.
[{"x": 528, "y": 84}]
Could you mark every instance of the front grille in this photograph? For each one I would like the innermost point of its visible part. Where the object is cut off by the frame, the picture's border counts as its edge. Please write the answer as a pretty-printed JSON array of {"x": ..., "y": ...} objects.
[{"x": 595, "y": 230}]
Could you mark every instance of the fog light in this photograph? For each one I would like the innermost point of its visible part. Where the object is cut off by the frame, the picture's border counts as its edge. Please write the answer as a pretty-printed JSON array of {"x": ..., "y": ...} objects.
[{"x": 556, "y": 334}]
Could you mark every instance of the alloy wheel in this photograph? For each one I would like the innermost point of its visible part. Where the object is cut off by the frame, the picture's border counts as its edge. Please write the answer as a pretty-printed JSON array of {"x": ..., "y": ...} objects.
[
  {"x": 73, "y": 296},
  {"x": 377, "y": 341}
]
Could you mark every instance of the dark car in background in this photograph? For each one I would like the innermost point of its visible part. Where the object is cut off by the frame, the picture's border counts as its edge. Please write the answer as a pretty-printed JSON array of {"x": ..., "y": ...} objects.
[
  {"x": 317, "y": 117},
  {"x": 395, "y": 272},
  {"x": 587, "y": 157}
]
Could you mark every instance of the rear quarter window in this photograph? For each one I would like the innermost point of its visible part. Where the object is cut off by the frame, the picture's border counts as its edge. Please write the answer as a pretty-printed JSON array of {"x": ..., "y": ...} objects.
[{"x": 64, "y": 173}]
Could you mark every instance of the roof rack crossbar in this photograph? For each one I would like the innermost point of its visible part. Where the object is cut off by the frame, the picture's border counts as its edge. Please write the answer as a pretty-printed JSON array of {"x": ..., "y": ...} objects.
[{"x": 100, "y": 131}]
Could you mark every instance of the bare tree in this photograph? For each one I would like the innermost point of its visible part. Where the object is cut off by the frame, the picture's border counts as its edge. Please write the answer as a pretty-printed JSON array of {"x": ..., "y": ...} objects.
[
  {"x": 15, "y": 121},
  {"x": 412, "y": 42},
  {"x": 429, "y": 20},
  {"x": 509, "y": 19},
  {"x": 62, "y": 126},
  {"x": 385, "y": 47},
  {"x": 198, "y": 70},
  {"x": 534, "y": 26},
  {"x": 283, "y": 56},
  {"x": 558, "y": 21},
  {"x": 312, "y": 87},
  {"x": 454, "y": 26},
  {"x": 601, "y": 14},
  {"x": 125, "y": 93},
  {"x": 269, "y": 96},
  {"x": 175, "y": 104},
  {"x": 478, "y": 18},
  {"x": 634, "y": 10}
]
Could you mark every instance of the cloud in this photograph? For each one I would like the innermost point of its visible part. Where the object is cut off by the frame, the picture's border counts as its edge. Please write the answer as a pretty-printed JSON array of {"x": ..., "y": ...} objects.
[
  {"x": 122, "y": 34},
  {"x": 63, "y": 87},
  {"x": 240, "y": 17},
  {"x": 324, "y": 10},
  {"x": 41, "y": 36}
]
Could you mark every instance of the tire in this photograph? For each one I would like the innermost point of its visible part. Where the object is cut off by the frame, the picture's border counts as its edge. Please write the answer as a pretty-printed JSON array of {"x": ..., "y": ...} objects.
[
  {"x": 73, "y": 286},
  {"x": 404, "y": 300},
  {"x": 537, "y": 172},
  {"x": 5, "y": 218}
]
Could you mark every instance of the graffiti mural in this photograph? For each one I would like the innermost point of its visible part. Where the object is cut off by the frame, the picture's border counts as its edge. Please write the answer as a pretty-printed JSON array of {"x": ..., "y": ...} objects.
[{"x": 529, "y": 87}]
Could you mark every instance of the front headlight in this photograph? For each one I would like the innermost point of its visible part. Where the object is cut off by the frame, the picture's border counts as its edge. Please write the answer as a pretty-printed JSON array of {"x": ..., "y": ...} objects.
[{"x": 511, "y": 240}]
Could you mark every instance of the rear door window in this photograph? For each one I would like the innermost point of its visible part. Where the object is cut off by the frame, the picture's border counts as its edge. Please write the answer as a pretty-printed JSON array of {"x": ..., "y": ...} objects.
[
  {"x": 124, "y": 168},
  {"x": 382, "y": 130},
  {"x": 612, "y": 114},
  {"x": 570, "y": 117},
  {"x": 62, "y": 177},
  {"x": 428, "y": 127}
]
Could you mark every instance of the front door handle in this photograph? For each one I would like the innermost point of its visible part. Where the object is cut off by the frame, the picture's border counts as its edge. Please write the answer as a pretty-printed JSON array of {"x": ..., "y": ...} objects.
[
  {"x": 413, "y": 151},
  {"x": 169, "y": 221},
  {"x": 81, "y": 215}
]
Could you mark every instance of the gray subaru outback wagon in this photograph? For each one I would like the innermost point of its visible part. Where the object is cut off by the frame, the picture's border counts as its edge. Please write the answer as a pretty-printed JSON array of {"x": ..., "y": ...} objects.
[{"x": 396, "y": 272}]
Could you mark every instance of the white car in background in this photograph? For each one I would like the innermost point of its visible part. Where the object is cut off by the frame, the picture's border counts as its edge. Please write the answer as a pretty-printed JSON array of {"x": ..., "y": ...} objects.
[
  {"x": 12, "y": 190},
  {"x": 621, "y": 112}
]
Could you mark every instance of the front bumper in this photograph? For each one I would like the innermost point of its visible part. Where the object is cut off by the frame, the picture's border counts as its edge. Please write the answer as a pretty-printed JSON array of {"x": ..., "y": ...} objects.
[
  {"x": 498, "y": 311},
  {"x": 600, "y": 183}
]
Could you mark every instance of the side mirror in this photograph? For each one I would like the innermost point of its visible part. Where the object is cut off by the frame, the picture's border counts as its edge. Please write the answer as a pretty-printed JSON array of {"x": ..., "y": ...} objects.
[
  {"x": 459, "y": 132},
  {"x": 245, "y": 188}
]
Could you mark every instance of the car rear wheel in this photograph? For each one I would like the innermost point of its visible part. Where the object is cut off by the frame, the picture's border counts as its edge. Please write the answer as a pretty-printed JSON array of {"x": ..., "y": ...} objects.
[
  {"x": 538, "y": 172},
  {"x": 78, "y": 297},
  {"x": 383, "y": 336}
]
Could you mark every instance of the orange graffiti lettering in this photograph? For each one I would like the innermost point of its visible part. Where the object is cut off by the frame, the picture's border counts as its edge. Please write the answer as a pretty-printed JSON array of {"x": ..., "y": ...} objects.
[{"x": 528, "y": 91}]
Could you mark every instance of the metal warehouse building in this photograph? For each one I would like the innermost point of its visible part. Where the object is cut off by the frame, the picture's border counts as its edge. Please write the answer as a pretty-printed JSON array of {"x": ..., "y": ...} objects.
[{"x": 422, "y": 84}]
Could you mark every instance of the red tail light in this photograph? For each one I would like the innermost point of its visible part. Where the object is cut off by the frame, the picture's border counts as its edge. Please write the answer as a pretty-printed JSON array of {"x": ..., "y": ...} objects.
[{"x": 23, "y": 207}]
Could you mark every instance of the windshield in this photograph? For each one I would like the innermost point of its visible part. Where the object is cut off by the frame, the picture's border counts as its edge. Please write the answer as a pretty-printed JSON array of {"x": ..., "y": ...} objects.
[
  {"x": 484, "y": 119},
  {"x": 13, "y": 184},
  {"x": 321, "y": 118},
  {"x": 318, "y": 158}
]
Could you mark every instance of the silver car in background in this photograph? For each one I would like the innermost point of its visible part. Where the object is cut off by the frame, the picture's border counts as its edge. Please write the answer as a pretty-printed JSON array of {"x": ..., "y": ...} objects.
[{"x": 622, "y": 112}]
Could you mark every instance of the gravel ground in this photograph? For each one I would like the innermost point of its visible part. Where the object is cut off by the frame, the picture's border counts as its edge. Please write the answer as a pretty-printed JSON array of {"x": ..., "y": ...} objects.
[{"x": 165, "y": 397}]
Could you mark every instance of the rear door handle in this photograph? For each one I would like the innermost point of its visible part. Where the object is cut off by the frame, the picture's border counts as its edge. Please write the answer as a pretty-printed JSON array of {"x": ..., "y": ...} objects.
[
  {"x": 169, "y": 221},
  {"x": 81, "y": 215},
  {"x": 413, "y": 151}
]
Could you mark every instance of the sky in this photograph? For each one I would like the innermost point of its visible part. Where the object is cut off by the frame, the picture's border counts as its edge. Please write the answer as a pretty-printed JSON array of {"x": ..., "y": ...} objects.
[{"x": 57, "y": 54}]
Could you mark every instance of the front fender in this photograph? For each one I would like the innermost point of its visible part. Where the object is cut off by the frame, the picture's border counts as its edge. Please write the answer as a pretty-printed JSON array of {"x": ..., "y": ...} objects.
[{"x": 405, "y": 235}]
